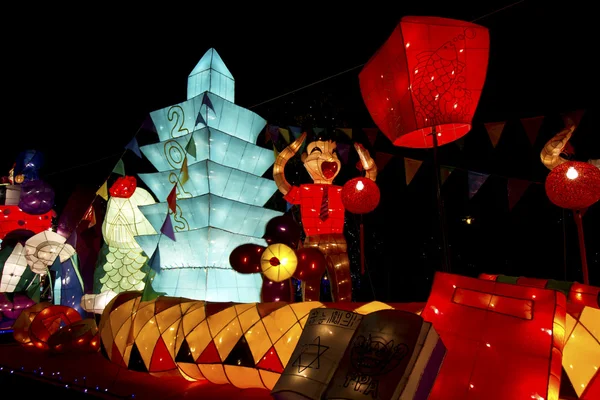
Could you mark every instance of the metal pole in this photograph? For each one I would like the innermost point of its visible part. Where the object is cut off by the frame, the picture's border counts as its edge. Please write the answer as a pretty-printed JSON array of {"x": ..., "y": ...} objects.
[
  {"x": 440, "y": 203},
  {"x": 584, "y": 266}
]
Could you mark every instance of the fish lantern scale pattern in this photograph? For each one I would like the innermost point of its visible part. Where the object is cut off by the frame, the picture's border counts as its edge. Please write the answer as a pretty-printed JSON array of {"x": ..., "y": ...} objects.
[
  {"x": 245, "y": 345},
  {"x": 221, "y": 205},
  {"x": 428, "y": 74}
]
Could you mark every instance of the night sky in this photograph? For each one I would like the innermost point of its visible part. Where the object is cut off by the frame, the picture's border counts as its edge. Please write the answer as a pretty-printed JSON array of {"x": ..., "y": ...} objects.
[{"x": 77, "y": 85}]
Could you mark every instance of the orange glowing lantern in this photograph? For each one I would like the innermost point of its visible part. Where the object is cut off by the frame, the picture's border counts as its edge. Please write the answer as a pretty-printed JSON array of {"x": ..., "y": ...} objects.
[
  {"x": 428, "y": 75},
  {"x": 278, "y": 262}
]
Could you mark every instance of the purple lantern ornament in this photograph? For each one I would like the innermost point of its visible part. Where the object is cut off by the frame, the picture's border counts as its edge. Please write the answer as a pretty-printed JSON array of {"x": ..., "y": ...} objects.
[{"x": 37, "y": 197}]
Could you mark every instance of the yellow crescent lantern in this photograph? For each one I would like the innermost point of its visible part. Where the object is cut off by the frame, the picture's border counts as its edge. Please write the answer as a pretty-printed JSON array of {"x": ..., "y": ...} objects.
[{"x": 278, "y": 262}]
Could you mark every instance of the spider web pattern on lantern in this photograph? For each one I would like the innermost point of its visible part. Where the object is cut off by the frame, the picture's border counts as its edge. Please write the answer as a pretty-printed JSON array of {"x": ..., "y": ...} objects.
[{"x": 438, "y": 87}]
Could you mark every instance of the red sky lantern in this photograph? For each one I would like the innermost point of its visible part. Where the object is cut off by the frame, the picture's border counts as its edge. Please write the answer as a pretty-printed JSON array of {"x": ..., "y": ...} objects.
[
  {"x": 360, "y": 195},
  {"x": 428, "y": 74}
]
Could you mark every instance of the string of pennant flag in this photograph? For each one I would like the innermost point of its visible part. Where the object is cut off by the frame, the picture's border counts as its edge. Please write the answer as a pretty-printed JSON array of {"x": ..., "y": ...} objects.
[{"x": 282, "y": 136}]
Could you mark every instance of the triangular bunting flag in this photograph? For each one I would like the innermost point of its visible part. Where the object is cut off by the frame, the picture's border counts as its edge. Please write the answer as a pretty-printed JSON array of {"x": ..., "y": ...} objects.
[
  {"x": 573, "y": 117},
  {"x": 90, "y": 216},
  {"x": 191, "y": 147},
  {"x": 445, "y": 172},
  {"x": 185, "y": 176},
  {"x": 206, "y": 102},
  {"x": 516, "y": 188},
  {"x": 148, "y": 124},
  {"x": 133, "y": 146},
  {"x": 343, "y": 150},
  {"x": 149, "y": 293},
  {"x": 296, "y": 131},
  {"x": 172, "y": 199},
  {"x": 381, "y": 160},
  {"x": 285, "y": 133},
  {"x": 274, "y": 130},
  {"x": 371, "y": 134},
  {"x": 275, "y": 152},
  {"x": 411, "y": 167},
  {"x": 532, "y": 127},
  {"x": 119, "y": 168},
  {"x": 494, "y": 130},
  {"x": 103, "y": 191},
  {"x": 317, "y": 131},
  {"x": 347, "y": 132},
  {"x": 154, "y": 261},
  {"x": 167, "y": 228},
  {"x": 288, "y": 206},
  {"x": 475, "y": 180},
  {"x": 200, "y": 118},
  {"x": 460, "y": 142}
]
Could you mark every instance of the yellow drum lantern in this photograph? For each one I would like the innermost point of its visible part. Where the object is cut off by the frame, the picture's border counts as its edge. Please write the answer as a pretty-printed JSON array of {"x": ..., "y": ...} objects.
[{"x": 278, "y": 262}]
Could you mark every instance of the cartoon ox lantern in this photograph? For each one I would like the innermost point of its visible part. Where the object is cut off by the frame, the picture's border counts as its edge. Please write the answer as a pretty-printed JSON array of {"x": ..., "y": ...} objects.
[{"x": 322, "y": 209}]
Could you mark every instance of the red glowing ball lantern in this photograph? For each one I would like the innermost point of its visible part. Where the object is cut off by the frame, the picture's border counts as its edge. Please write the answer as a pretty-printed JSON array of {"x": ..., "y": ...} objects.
[
  {"x": 245, "y": 259},
  {"x": 428, "y": 74},
  {"x": 574, "y": 185},
  {"x": 123, "y": 187},
  {"x": 360, "y": 195}
]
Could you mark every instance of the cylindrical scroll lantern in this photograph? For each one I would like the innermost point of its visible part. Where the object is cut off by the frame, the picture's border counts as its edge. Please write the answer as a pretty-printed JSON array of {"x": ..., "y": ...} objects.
[{"x": 428, "y": 74}]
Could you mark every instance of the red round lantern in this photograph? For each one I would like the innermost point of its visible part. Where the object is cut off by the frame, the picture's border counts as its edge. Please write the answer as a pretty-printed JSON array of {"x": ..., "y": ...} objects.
[
  {"x": 245, "y": 258},
  {"x": 311, "y": 263},
  {"x": 360, "y": 195},
  {"x": 574, "y": 185}
]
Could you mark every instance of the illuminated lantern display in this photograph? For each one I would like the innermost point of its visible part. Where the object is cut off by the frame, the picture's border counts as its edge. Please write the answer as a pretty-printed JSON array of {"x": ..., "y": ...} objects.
[
  {"x": 121, "y": 258},
  {"x": 43, "y": 248},
  {"x": 278, "y": 262},
  {"x": 575, "y": 185},
  {"x": 22, "y": 325},
  {"x": 503, "y": 341},
  {"x": 245, "y": 258},
  {"x": 317, "y": 355},
  {"x": 10, "y": 309},
  {"x": 581, "y": 354},
  {"x": 311, "y": 263},
  {"x": 95, "y": 303},
  {"x": 551, "y": 153},
  {"x": 360, "y": 195},
  {"x": 245, "y": 345},
  {"x": 13, "y": 270},
  {"x": 578, "y": 295},
  {"x": 283, "y": 229},
  {"x": 12, "y": 218},
  {"x": 79, "y": 336},
  {"x": 322, "y": 210},
  {"x": 428, "y": 75},
  {"x": 393, "y": 355},
  {"x": 37, "y": 197},
  {"x": 208, "y": 158}
]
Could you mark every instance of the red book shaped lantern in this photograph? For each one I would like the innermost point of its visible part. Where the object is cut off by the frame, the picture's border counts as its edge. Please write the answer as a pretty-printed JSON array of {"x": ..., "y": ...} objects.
[{"x": 428, "y": 74}]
